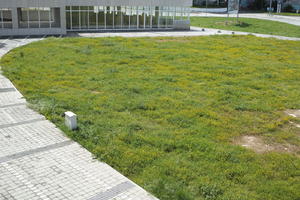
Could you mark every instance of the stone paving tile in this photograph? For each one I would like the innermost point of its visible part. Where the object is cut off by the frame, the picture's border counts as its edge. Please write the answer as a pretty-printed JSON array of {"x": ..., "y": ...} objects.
[
  {"x": 5, "y": 83},
  {"x": 134, "y": 193},
  {"x": 10, "y": 98},
  {"x": 195, "y": 31},
  {"x": 16, "y": 114},
  {"x": 63, "y": 173},
  {"x": 20, "y": 138}
]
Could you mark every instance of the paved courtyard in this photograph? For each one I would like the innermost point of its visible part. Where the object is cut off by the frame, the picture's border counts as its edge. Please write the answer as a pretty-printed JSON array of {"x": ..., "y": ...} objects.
[
  {"x": 195, "y": 31},
  {"x": 37, "y": 161}
]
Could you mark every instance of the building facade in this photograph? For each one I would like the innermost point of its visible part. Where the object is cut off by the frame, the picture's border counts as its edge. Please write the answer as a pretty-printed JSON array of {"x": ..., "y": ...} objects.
[
  {"x": 210, "y": 3},
  {"x": 50, "y": 17}
]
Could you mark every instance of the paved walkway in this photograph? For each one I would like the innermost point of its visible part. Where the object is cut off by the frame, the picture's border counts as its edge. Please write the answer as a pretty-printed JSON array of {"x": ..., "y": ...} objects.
[
  {"x": 38, "y": 162},
  {"x": 195, "y": 31},
  {"x": 279, "y": 18},
  {"x": 209, "y": 10}
]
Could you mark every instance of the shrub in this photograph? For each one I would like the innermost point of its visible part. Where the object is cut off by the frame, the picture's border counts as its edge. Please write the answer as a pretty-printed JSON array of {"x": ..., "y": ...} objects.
[{"x": 288, "y": 8}]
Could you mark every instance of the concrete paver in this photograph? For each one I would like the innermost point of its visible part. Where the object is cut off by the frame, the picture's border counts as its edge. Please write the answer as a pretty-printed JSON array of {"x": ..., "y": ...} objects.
[{"x": 195, "y": 31}]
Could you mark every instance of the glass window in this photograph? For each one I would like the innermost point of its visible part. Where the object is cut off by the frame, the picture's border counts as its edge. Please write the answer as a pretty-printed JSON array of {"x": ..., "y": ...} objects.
[
  {"x": 110, "y": 17},
  {"x": 147, "y": 17},
  {"x": 23, "y": 18},
  {"x": 84, "y": 7},
  {"x": 102, "y": 17},
  {"x": 162, "y": 17},
  {"x": 170, "y": 19},
  {"x": 68, "y": 20},
  {"x": 93, "y": 18},
  {"x": 186, "y": 14},
  {"x": 133, "y": 18},
  {"x": 75, "y": 19},
  {"x": 84, "y": 19},
  {"x": 118, "y": 18},
  {"x": 126, "y": 12},
  {"x": 75, "y": 8},
  {"x": 5, "y": 18},
  {"x": 155, "y": 17},
  {"x": 33, "y": 17},
  {"x": 141, "y": 17},
  {"x": 178, "y": 13},
  {"x": 55, "y": 17},
  {"x": 43, "y": 17}
]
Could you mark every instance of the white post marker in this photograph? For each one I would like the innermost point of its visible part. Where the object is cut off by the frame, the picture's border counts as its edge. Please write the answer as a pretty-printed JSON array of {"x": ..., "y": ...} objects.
[{"x": 71, "y": 120}]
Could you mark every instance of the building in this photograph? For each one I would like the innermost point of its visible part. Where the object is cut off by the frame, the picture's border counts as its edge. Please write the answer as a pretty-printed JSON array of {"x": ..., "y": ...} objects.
[
  {"x": 50, "y": 17},
  {"x": 210, "y": 3}
]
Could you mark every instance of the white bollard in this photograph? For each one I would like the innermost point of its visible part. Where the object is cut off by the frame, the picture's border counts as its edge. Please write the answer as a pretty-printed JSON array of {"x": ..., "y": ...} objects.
[{"x": 71, "y": 120}]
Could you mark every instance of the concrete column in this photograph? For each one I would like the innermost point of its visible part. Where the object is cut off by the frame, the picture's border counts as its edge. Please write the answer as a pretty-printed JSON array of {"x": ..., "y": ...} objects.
[
  {"x": 63, "y": 19},
  {"x": 15, "y": 20}
]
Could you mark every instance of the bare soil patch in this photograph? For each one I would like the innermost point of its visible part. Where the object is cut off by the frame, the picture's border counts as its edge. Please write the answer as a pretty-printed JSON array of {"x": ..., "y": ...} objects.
[
  {"x": 258, "y": 145},
  {"x": 293, "y": 113}
]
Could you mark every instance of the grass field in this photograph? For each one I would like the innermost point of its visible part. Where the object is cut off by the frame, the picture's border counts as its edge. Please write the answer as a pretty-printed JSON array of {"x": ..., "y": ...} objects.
[
  {"x": 287, "y": 14},
  {"x": 248, "y": 25},
  {"x": 165, "y": 111}
]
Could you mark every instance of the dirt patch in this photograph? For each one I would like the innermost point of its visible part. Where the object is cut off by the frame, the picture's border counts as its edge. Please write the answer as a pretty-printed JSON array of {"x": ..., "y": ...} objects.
[
  {"x": 232, "y": 23},
  {"x": 258, "y": 145},
  {"x": 295, "y": 124},
  {"x": 293, "y": 113},
  {"x": 95, "y": 92}
]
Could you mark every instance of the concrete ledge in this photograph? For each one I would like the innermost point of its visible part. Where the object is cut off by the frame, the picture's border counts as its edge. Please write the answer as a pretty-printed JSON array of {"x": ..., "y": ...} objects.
[{"x": 32, "y": 31}]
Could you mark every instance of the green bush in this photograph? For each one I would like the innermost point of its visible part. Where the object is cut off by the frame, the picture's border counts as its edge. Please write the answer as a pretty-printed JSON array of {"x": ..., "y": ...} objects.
[{"x": 288, "y": 8}]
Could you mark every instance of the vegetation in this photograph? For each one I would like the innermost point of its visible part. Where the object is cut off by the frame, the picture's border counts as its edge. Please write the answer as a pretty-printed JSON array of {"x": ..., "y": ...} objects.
[
  {"x": 288, "y": 8},
  {"x": 248, "y": 25},
  {"x": 287, "y": 14},
  {"x": 164, "y": 111}
]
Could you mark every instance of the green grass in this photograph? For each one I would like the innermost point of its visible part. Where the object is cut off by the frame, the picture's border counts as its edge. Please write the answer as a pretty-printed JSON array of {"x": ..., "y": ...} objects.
[
  {"x": 164, "y": 111},
  {"x": 287, "y": 14},
  {"x": 248, "y": 25}
]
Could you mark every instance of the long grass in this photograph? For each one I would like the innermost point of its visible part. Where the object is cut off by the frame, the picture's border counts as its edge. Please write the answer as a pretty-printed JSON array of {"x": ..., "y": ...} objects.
[{"x": 164, "y": 111}]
